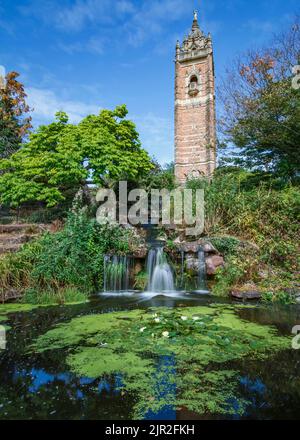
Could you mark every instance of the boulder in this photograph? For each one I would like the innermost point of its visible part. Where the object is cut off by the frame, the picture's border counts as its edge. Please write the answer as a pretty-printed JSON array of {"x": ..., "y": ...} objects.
[
  {"x": 213, "y": 262},
  {"x": 190, "y": 248},
  {"x": 193, "y": 247},
  {"x": 246, "y": 294},
  {"x": 208, "y": 248}
]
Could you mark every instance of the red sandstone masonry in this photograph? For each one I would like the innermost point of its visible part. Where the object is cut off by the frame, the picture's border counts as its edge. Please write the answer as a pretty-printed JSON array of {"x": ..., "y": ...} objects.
[{"x": 194, "y": 115}]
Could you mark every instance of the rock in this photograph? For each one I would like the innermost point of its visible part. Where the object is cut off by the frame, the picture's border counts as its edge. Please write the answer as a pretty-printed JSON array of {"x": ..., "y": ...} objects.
[
  {"x": 191, "y": 247},
  {"x": 213, "y": 263},
  {"x": 192, "y": 263},
  {"x": 27, "y": 228},
  {"x": 194, "y": 246},
  {"x": 141, "y": 252},
  {"x": 246, "y": 294},
  {"x": 177, "y": 241},
  {"x": 137, "y": 267},
  {"x": 209, "y": 248}
]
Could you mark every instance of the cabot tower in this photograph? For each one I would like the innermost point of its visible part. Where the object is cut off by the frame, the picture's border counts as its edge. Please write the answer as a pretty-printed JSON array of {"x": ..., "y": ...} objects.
[{"x": 195, "y": 126}]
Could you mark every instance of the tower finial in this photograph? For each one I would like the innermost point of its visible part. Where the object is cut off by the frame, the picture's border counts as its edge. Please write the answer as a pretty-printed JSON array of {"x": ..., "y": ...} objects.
[{"x": 195, "y": 26}]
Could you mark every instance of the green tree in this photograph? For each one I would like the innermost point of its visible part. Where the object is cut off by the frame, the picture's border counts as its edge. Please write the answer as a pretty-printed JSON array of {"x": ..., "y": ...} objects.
[
  {"x": 261, "y": 108},
  {"x": 160, "y": 177},
  {"x": 14, "y": 121},
  {"x": 60, "y": 158}
]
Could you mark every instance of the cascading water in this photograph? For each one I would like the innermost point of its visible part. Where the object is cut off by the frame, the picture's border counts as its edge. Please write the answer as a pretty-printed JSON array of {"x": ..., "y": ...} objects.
[
  {"x": 116, "y": 273},
  {"x": 160, "y": 276},
  {"x": 202, "y": 285},
  {"x": 182, "y": 254}
]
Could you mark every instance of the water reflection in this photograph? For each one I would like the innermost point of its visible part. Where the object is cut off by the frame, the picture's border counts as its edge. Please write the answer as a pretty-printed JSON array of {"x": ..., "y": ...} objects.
[{"x": 42, "y": 387}]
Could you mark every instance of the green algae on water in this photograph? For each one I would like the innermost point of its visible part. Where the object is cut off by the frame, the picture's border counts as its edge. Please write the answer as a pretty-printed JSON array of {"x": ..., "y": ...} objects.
[
  {"x": 6, "y": 309},
  {"x": 167, "y": 357}
]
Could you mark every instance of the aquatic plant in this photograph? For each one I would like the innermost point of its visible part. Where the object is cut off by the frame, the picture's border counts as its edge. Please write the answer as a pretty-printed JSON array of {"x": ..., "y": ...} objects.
[{"x": 188, "y": 349}]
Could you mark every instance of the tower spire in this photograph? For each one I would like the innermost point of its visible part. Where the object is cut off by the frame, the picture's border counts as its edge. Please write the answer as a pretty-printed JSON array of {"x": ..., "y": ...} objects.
[
  {"x": 195, "y": 139},
  {"x": 195, "y": 21}
]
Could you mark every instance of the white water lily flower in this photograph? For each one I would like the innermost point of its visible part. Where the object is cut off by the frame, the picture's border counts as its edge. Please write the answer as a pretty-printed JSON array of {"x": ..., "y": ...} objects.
[
  {"x": 155, "y": 315},
  {"x": 142, "y": 329},
  {"x": 165, "y": 334},
  {"x": 196, "y": 318},
  {"x": 157, "y": 320},
  {"x": 184, "y": 318}
]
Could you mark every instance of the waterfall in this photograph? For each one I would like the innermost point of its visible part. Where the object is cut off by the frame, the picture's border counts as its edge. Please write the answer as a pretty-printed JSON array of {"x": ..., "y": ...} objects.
[
  {"x": 160, "y": 276},
  {"x": 116, "y": 273},
  {"x": 182, "y": 254},
  {"x": 202, "y": 286}
]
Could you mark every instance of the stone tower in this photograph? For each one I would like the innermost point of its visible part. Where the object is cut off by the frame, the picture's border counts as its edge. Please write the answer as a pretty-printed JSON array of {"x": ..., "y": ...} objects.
[{"x": 195, "y": 126}]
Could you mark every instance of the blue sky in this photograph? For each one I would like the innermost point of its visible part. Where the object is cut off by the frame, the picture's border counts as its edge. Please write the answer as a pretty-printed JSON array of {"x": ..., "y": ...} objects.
[{"x": 84, "y": 55}]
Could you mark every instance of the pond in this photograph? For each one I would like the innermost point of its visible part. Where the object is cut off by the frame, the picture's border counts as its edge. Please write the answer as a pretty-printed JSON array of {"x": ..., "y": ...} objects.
[{"x": 134, "y": 357}]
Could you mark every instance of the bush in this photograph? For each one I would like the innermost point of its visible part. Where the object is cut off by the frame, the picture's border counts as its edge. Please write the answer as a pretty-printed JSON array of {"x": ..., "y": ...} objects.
[
  {"x": 72, "y": 257},
  {"x": 226, "y": 245},
  {"x": 263, "y": 211}
]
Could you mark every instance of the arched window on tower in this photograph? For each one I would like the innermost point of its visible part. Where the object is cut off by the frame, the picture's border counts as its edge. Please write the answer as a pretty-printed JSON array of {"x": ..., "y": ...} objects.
[{"x": 193, "y": 86}]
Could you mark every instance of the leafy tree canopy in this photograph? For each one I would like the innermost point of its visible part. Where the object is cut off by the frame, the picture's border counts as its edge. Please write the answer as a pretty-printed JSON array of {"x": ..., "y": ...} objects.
[
  {"x": 14, "y": 121},
  {"x": 261, "y": 114},
  {"x": 61, "y": 157}
]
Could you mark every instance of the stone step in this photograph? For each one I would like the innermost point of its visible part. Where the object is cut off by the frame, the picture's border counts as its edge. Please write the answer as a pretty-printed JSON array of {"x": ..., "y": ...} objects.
[
  {"x": 28, "y": 228},
  {"x": 15, "y": 239},
  {"x": 10, "y": 295},
  {"x": 8, "y": 248}
]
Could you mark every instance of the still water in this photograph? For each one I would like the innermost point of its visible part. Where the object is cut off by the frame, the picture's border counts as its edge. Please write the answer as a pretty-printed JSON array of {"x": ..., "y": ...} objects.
[{"x": 41, "y": 386}]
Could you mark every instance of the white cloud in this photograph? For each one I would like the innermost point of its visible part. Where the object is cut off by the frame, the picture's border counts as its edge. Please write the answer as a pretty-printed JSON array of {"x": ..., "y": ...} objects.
[
  {"x": 45, "y": 104},
  {"x": 81, "y": 13},
  {"x": 93, "y": 45},
  {"x": 136, "y": 22},
  {"x": 151, "y": 19},
  {"x": 156, "y": 134},
  {"x": 260, "y": 26},
  {"x": 78, "y": 14}
]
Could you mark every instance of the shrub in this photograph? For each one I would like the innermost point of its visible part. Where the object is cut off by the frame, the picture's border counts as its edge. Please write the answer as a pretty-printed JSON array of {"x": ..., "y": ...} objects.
[
  {"x": 238, "y": 203},
  {"x": 226, "y": 245},
  {"x": 72, "y": 257}
]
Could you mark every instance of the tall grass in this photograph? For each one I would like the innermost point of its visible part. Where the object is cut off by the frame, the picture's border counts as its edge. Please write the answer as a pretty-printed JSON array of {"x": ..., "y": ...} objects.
[{"x": 61, "y": 296}]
